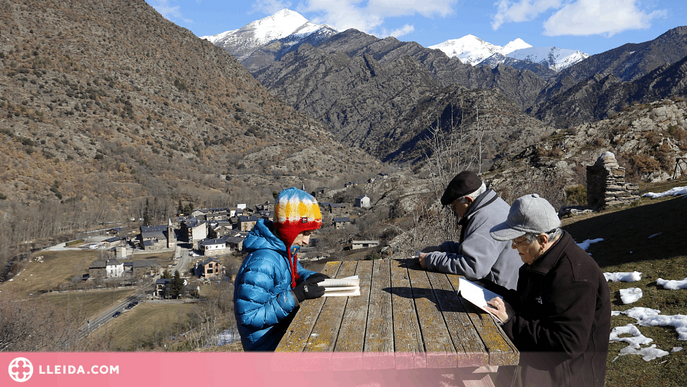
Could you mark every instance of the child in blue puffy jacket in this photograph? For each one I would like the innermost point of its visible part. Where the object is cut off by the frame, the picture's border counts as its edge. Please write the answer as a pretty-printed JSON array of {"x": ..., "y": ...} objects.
[{"x": 271, "y": 282}]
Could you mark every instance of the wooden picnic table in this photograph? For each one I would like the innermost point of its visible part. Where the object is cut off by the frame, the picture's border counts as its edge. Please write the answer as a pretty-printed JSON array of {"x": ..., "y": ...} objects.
[{"x": 405, "y": 318}]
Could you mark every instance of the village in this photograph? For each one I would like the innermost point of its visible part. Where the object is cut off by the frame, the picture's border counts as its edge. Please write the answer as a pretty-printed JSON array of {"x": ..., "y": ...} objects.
[{"x": 202, "y": 247}]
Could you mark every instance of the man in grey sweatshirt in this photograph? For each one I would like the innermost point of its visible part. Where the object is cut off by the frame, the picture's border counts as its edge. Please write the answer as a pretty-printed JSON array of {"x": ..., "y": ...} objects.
[{"x": 480, "y": 258}]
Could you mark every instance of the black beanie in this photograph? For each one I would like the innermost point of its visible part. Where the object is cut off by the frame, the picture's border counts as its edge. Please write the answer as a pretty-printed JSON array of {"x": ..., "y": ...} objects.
[{"x": 461, "y": 185}]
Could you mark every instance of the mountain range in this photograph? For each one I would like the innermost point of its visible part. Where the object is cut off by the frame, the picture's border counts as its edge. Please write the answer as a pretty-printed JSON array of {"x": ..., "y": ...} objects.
[
  {"x": 365, "y": 88},
  {"x": 285, "y": 30},
  {"x": 109, "y": 111},
  {"x": 473, "y": 50}
]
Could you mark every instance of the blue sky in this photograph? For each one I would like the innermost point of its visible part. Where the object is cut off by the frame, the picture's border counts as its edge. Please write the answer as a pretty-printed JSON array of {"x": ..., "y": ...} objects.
[{"x": 592, "y": 26}]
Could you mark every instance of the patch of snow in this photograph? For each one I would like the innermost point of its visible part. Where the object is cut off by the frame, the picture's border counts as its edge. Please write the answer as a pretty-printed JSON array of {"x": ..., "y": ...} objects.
[
  {"x": 648, "y": 317},
  {"x": 676, "y": 349},
  {"x": 672, "y": 192},
  {"x": 474, "y": 51},
  {"x": 585, "y": 245},
  {"x": 635, "y": 341},
  {"x": 647, "y": 354},
  {"x": 628, "y": 296},
  {"x": 623, "y": 276},
  {"x": 672, "y": 284}
]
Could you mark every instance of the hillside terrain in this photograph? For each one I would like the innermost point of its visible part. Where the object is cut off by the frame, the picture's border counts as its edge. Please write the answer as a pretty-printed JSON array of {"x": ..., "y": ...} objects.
[{"x": 107, "y": 110}]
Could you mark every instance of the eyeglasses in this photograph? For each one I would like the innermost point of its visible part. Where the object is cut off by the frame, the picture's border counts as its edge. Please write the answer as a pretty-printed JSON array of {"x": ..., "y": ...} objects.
[{"x": 515, "y": 243}]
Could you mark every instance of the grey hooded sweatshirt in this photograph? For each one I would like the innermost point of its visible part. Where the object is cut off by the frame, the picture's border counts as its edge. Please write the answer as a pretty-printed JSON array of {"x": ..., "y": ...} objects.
[{"x": 478, "y": 256}]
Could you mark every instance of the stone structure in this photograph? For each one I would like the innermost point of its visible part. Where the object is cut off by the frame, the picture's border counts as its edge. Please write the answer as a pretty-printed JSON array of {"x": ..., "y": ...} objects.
[{"x": 606, "y": 186}]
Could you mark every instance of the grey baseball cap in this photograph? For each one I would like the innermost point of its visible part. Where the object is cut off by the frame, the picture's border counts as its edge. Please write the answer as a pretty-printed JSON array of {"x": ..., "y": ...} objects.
[{"x": 529, "y": 213}]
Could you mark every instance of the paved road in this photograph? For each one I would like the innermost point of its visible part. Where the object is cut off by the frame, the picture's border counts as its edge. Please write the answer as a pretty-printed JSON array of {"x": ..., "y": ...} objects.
[{"x": 101, "y": 320}]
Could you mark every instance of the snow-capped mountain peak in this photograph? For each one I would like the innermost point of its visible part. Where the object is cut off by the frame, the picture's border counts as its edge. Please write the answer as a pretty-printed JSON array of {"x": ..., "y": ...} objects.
[
  {"x": 552, "y": 57},
  {"x": 516, "y": 44},
  {"x": 260, "y": 32},
  {"x": 277, "y": 26},
  {"x": 469, "y": 49},
  {"x": 473, "y": 50}
]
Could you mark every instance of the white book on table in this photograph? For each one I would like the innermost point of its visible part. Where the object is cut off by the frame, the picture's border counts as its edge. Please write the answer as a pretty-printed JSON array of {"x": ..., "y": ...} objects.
[{"x": 341, "y": 287}]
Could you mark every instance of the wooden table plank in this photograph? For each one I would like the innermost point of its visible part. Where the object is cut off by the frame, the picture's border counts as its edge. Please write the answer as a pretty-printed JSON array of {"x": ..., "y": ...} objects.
[
  {"x": 409, "y": 349},
  {"x": 405, "y": 318},
  {"x": 348, "y": 352},
  {"x": 296, "y": 337},
  {"x": 501, "y": 350},
  {"x": 379, "y": 335},
  {"x": 441, "y": 352},
  {"x": 467, "y": 342},
  {"x": 326, "y": 329}
]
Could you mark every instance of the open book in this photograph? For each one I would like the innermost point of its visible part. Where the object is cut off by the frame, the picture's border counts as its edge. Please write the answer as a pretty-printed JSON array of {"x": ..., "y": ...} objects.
[
  {"x": 341, "y": 287},
  {"x": 477, "y": 295}
]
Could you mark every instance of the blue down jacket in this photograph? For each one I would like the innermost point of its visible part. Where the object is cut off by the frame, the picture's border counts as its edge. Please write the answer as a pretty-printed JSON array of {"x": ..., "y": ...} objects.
[{"x": 263, "y": 302}]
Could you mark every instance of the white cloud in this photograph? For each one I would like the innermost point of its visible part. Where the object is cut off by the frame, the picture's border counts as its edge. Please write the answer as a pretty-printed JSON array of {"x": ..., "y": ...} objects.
[
  {"x": 577, "y": 17},
  {"x": 397, "y": 33},
  {"x": 370, "y": 16},
  {"x": 169, "y": 12},
  {"x": 525, "y": 10},
  {"x": 270, "y": 7},
  {"x": 599, "y": 17},
  {"x": 426, "y": 8}
]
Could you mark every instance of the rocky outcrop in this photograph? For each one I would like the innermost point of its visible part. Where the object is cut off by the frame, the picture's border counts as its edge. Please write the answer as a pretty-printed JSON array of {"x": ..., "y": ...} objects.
[{"x": 647, "y": 140}]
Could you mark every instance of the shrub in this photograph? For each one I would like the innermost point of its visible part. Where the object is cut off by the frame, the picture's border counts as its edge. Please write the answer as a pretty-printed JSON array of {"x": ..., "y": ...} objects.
[
  {"x": 373, "y": 255},
  {"x": 643, "y": 163},
  {"x": 576, "y": 195}
]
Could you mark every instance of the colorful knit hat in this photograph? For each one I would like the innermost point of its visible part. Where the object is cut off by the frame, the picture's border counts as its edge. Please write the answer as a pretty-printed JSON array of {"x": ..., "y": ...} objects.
[{"x": 295, "y": 211}]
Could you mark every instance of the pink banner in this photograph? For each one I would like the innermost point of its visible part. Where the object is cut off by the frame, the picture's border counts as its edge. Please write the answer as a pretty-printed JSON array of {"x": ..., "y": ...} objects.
[{"x": 198, "y": 369}]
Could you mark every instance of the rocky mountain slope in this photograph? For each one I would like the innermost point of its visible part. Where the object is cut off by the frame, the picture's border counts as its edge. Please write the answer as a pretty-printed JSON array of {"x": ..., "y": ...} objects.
[
  {"x": 363, "y": 87},
  {"x": 521, "y": 86},
  {"x": 384, "y": 95},
  {"x": 628, "y": 62},
  {"x": 108, "y": 101},
  {"x": 646, "y": 139},
  {"x": 600, "y": 97}
]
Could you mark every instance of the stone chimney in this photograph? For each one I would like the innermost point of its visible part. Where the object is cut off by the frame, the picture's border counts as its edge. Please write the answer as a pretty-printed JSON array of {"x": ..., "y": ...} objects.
[{"x": 606, "y": 186}]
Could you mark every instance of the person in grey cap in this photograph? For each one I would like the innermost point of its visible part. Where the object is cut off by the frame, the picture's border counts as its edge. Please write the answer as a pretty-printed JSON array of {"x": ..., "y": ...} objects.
[
  {"x": 560, "y": 320},
  {"x": 478, "y": 257}
]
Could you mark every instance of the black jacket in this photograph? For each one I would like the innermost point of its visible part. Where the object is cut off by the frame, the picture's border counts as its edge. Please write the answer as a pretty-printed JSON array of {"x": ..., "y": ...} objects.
[{"x": 563, "y": 318}]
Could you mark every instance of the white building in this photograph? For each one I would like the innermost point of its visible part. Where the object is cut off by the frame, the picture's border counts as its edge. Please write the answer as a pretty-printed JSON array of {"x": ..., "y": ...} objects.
[
  {"x": 362, "y": 201},
  {"x": 213, "y": 246},
  {"x": 114, "y": 268}
]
